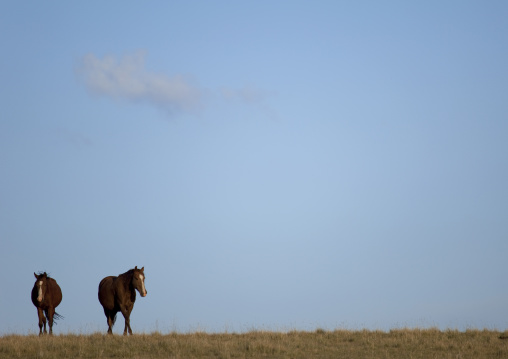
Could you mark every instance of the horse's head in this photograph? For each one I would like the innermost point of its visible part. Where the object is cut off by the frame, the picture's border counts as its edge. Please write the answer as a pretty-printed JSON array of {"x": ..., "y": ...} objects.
[
  {"x": 138, "y": 281},
  {"x": 42, "y": 285}
]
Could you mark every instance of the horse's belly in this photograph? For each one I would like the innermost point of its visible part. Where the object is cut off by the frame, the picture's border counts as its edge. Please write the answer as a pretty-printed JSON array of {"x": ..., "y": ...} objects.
[{"x": 106, "y": 294}]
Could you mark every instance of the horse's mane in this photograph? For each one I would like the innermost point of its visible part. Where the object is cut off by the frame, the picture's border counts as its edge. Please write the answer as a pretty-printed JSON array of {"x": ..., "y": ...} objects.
[
  {"x": 129, "y": 272},
  {"x": 127, "y": 275},
  {"x": 42, "y": 273}
]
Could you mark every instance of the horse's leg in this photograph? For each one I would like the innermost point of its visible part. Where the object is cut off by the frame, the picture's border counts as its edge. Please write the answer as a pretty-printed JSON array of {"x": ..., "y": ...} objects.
[
  {"x": 126, "y": 312},
  {"x": 110, "y": 324},
  {"x": 50, "y": 313},
  {"x": 128, "y": 321},
  {"x": 109, "y": 317},
  {"x": 42, "y": 320}
]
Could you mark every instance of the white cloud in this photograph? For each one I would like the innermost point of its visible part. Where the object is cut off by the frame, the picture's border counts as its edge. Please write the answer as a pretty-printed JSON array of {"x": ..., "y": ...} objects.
[{"x": 128, "y": 79}]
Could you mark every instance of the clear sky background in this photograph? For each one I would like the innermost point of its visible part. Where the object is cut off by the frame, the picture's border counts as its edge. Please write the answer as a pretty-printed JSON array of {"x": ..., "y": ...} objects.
[{"x": 272, "y": 164}]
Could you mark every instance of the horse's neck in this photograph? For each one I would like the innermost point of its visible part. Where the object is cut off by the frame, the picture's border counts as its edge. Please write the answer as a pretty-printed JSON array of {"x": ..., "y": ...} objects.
[{"x": 126, "y": 279}]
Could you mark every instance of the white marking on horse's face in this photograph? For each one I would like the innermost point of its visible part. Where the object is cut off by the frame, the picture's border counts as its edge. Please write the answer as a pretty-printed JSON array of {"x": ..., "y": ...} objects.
[
  {"x": 143, "y": 290},
  {"x": 39, "y": 292}
]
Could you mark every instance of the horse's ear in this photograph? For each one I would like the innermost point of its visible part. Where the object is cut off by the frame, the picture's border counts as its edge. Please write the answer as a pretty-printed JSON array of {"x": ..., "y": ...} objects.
[
  {"x": 35, "y": 275},
  {"x": 143, "y": 269},
  {"x": 136, "y": 267},
  {"x": 45, "y": 275}
]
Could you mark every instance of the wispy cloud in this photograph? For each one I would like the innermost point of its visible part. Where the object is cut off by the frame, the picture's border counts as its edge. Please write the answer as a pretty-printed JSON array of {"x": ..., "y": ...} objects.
[{"x": 128, "y": 79}]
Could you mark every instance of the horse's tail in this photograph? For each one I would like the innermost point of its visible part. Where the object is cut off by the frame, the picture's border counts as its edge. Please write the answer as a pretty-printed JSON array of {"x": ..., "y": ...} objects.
[
  {"x": 114, "y": 319},
  {"x": 57, "y": 316}
]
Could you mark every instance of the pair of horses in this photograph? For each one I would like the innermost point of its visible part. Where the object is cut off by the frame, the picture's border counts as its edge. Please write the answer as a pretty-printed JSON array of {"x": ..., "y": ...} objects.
[{"x": 116, "y": 294}]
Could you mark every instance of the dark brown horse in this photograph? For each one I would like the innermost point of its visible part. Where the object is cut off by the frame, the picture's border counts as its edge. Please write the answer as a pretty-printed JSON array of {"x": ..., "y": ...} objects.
[
  {"x": 46, "y": 295},
  {"x": 118, "y": 294}
]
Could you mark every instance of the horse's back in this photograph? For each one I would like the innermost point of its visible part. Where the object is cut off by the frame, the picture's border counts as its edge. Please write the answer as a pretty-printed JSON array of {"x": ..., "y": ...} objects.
[{"x": 106, "y": 293}]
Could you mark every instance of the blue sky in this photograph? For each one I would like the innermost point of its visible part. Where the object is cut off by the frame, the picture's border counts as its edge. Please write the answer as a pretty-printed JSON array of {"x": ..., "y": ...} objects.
[{"x": 272, "y": 165}]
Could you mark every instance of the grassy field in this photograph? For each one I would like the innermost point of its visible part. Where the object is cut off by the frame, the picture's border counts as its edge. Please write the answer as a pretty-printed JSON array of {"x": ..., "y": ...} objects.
[{"x": 400, "y": 343}]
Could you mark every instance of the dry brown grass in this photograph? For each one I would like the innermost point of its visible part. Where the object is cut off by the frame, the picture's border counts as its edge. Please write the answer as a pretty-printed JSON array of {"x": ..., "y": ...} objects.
[{"x": 400, "y": 343}]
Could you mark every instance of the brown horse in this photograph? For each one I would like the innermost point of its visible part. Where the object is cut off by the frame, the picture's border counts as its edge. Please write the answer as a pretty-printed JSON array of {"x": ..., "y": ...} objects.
[
  {"x": 46, "y": 295},
  {"x": 118, "y": 294}
]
